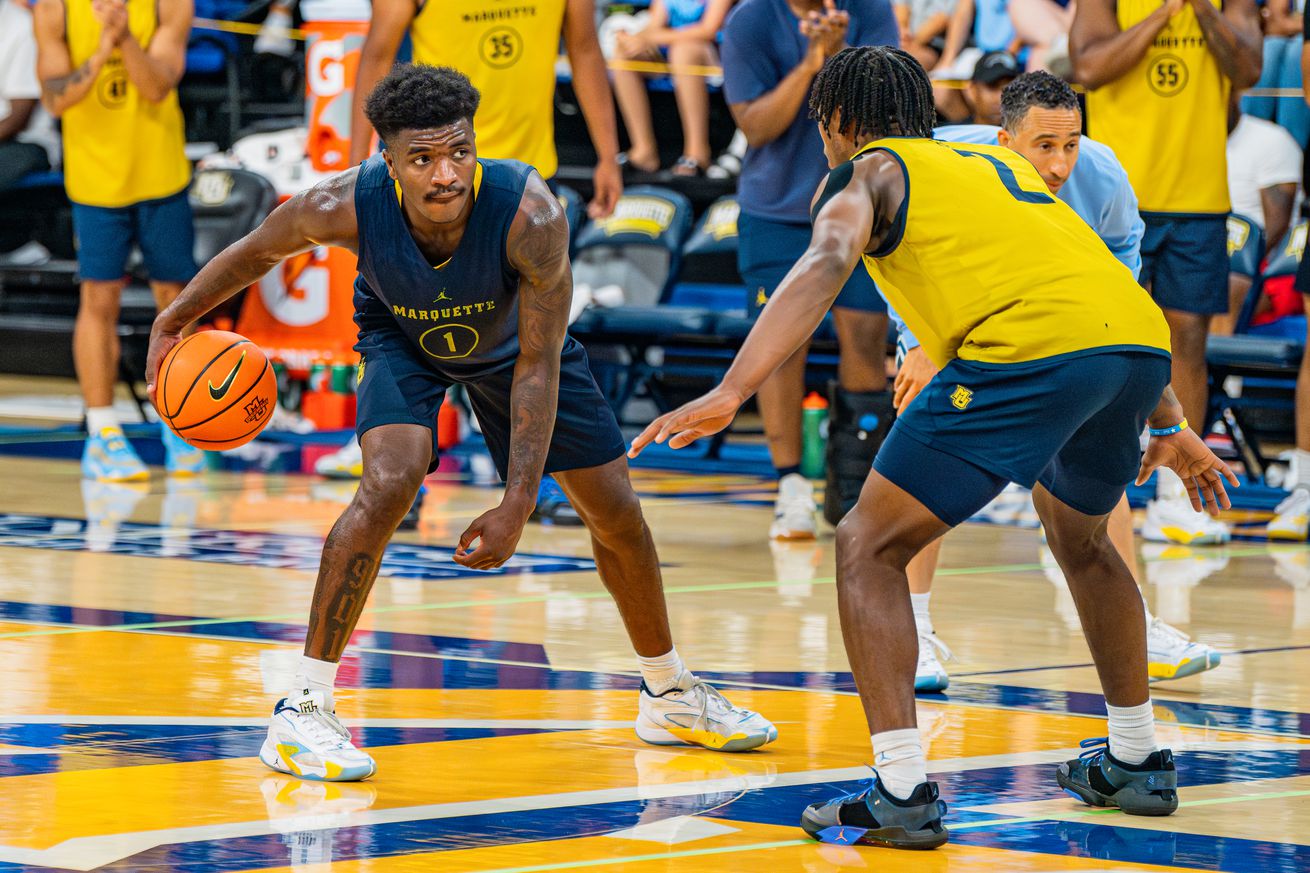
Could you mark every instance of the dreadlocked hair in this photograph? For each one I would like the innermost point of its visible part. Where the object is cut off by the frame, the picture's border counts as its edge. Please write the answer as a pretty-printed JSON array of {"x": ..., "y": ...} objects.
[{"x": 881, "y": 91}]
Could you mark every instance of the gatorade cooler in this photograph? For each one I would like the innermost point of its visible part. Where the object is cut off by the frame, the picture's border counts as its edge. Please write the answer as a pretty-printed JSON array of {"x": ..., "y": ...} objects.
[{"x": 334, "y": 36}]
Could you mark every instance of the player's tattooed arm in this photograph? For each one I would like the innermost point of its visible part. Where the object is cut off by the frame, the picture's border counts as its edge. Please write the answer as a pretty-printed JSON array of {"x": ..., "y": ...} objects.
[
  {"x": 1233, "y": 37},
  {"x": 62, "y": 84},
  {"x": 1168, "y": 411},
  {"x": 540, "y": 252},
  {"x": 538, "y": 248},
  {"x": 321, "y": 216}
]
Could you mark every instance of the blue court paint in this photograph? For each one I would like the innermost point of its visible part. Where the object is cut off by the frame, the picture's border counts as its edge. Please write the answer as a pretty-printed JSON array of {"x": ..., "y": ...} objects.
[
  {"x": 101, "y": 747},
  {"x": 259, "y": 549},
  {"x": 783, "y": 806}
]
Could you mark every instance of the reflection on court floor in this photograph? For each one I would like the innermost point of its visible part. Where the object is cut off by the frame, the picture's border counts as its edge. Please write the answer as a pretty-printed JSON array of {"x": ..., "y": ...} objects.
[{"x": 145, "y": 632}]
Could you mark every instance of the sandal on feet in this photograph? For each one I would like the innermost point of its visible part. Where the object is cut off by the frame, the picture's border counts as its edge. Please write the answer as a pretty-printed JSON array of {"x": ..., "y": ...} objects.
[
  {"x": 688, "y": 166},
  {"x": 627, "y": 165}
]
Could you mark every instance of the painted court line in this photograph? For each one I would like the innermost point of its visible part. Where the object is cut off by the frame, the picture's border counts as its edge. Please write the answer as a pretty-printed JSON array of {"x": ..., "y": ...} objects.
[
  {"x": 87, "y": 853},
  {"x": 299, "y": 616},
  {"x": 550, "y": 724}
]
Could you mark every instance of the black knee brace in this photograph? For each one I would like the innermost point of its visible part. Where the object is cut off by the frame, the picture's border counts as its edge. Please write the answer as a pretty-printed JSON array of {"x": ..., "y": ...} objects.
[{"x": 858, "y": 422}]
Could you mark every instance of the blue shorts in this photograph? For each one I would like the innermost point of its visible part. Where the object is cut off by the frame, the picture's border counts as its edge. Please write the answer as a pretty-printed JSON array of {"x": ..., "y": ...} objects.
[
  {"x": 395, "y": 387},
  {"x": 160, "y": 228},
  {"x": 766, "y": 251},
  {"x": 1071, "y": 422},
  {"x": 1185, "y": 262}
]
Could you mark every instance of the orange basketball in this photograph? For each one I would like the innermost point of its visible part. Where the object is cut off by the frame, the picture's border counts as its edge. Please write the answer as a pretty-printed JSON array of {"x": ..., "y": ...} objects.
[{"x": 216, "y": 390}]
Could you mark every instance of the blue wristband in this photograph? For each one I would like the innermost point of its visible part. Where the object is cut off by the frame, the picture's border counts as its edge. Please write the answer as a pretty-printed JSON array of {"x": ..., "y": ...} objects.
[{"x": 1166, "y": 431}]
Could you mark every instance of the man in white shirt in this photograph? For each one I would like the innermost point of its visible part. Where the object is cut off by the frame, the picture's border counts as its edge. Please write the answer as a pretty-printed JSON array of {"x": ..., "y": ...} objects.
[
  {"x": 1264, "y": 171},
  {"x": 26, "y": 132}
]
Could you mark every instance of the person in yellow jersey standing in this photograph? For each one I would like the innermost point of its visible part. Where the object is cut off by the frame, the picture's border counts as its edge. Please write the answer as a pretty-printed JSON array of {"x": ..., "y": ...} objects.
[
  {"x": 508, "y": 53},
  {"x": 1158, "y": 76},
  {"x": 109, "y": 70}
]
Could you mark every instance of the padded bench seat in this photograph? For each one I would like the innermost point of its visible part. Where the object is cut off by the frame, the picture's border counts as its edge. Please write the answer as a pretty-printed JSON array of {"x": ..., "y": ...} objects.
[{"x": 1249, "y": 353}]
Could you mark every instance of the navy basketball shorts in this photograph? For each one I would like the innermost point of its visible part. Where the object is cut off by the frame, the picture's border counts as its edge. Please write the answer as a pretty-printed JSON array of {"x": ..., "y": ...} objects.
[
  {"x": 1071, "y": 423},
  {"x": 396, "y": 387},
  {"x": 1185, "y": 262},
  {"x": 766, "y": 251},
  {"x": 161, "y": 228}
]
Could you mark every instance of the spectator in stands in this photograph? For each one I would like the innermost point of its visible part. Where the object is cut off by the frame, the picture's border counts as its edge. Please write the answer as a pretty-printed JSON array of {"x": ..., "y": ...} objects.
[
  {"x": 1158, "y": 79},
  {"x": 514, "y": 69},
  {"x": 1283, "y": 27},
  {"x": 685, "y": 30},
  {"x": 1291, "y": 519},
  {"x": 772, "y": 50},
  {"x": 28, "y": 142},
  {"x": 1043, "y": 26},
  {"x": 989, "y": 23},
  {"x": 923, "y": 25},
  {"x": 110, "y": 70},
  {"x": 26, "y": 133},
  {"x": 991, "y": 74},
  {"x": 1264, "y": 172}
]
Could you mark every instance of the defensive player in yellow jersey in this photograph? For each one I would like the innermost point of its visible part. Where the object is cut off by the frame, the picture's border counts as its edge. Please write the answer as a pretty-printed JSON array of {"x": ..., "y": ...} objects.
[
  {"x": 109, "y": 70},
  {"x": 508, "y": 52},
  {"x": 1158, "y": 74},
  {"x": 1053, "y": 360}
]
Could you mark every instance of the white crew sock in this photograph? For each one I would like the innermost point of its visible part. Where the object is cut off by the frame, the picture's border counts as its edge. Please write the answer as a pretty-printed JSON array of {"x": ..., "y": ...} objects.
[
  {"x": 1168, "y": 486},
  {"x": 661, "y": 672},
  {"x": 1300, "y": 477},
  {"x": 315, "y": 675},
  {"x": 899, "y": 759},
  {"x": 922, "y": 619},
  {"x": 100, "y": 417},
  {"x": 1132, "y": 732}
]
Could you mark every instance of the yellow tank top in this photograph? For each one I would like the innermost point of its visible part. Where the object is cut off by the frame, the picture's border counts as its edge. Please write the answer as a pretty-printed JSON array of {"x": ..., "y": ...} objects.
[
  {"x": 119, "y": 148},
  {"x": 985, "y": 265},
  {"x": 509, "y": 53},
  {"x": 1167, "y": 117}
]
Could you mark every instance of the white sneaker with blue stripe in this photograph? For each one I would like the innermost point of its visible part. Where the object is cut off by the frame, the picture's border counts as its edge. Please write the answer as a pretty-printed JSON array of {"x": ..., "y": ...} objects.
[
  {"x": 109, "y": 457},
  {"x": 306, "y": 739}
]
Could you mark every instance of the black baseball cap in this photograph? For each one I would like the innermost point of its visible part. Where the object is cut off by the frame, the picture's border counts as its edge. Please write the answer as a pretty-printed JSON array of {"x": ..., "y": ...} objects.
[{"x": 996, "y": 66}]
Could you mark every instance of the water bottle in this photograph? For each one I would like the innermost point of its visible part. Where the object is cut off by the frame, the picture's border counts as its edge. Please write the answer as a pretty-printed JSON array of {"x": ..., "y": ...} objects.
[{"x": 814, "y": 420}]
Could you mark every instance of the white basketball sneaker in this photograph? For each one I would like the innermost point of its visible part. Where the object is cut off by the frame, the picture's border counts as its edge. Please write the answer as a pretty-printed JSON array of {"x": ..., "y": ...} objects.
[
  {"x": 1172, "y": 654},
  {"x": 930, "y": 675},
  {"x": 793, "y": 513},
  {"x": 1175, "y": 521},
  {"x": 693, "y": 713},
  {"x": 1291, "y": 519},
  {"x": 345, "y": 463},
  {"x": 306, "y": 739}
]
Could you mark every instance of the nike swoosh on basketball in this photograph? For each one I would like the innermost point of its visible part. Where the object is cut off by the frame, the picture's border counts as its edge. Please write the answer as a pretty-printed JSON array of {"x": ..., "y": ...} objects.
[{"x": 221, "y": 391}]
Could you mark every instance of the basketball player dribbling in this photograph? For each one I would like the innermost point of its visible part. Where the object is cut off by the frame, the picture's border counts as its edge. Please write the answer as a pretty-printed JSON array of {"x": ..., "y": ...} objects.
[{"x": 489, "y": 241}]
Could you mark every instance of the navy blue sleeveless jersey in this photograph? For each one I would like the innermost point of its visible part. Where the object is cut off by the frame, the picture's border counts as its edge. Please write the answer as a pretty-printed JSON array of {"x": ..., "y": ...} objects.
[{"x": 461, "y": 318}]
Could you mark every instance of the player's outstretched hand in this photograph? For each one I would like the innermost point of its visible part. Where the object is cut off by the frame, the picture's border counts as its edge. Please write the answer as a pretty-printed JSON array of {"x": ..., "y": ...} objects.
[
  {"x": 161, "y": 343},
  {"x": 497, "y": 531},
  {"x": 702, "y": 417},
  {"x": 1187, "y": 455}
]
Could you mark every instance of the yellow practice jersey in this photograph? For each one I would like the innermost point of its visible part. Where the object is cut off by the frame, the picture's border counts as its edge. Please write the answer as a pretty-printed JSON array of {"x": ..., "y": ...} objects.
[
  {"x": 1167, "y": 117},
  {"x": 985, "y": 264},
  {"x": 508, "y": 52},
  {"x": 119, "y": 148}
]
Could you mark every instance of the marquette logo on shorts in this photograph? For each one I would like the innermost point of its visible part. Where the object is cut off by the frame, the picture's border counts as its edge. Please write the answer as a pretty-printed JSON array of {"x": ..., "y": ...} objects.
[
  {"x": 961, "y": 397},
  {"x": 650, "y": 216},
  {"x": 1296, "y": 245},
  {"x": 359, "y": 372}
]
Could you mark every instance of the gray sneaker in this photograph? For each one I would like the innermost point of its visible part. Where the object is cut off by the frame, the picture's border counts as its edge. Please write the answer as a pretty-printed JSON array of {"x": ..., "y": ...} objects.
[
  {"x": 875, "y": 818},
  {"x": 1096, "y": 778}
]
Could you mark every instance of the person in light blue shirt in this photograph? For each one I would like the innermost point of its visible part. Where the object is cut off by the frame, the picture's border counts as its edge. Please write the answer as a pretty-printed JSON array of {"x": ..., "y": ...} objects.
[{"x": 1041, "y": 121}]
